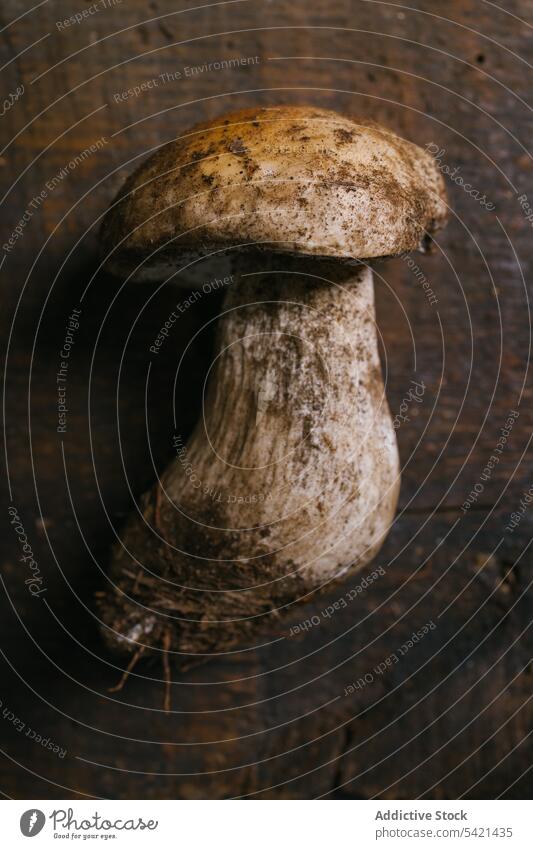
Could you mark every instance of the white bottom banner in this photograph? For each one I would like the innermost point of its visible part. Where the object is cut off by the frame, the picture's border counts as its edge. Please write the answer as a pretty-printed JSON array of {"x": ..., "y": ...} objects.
[{"x": 267, "y": 824}]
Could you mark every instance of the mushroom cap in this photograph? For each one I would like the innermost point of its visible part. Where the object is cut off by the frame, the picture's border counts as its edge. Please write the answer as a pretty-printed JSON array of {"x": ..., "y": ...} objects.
[{"x": 291, "y": 179}]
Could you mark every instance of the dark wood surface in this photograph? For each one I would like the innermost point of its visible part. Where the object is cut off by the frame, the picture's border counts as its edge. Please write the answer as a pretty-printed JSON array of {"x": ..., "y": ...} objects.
[{"x": 452, "y": 717}]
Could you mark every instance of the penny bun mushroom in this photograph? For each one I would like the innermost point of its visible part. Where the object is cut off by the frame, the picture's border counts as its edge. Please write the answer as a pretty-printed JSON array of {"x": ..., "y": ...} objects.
[{"x": 291, "y": 476}]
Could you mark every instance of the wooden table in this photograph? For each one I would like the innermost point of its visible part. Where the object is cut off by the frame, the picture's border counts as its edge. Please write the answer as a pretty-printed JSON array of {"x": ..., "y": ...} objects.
[{"x": 451, "y": 717}]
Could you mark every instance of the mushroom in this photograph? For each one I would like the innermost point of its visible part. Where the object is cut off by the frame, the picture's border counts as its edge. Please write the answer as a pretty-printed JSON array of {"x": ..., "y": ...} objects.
[{"x": 290, "y": 479}]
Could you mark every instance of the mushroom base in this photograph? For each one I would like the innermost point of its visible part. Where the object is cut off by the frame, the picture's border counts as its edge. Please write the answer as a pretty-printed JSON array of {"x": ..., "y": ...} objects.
[{"x": 289, "y": 481}]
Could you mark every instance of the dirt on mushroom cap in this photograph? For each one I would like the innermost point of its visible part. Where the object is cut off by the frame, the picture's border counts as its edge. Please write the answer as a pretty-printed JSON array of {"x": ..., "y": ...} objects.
[{"x": 299, "y": 179}]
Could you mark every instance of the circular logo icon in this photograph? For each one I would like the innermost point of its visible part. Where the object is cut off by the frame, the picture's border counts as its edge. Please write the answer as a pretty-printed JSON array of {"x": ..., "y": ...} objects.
[{"x": 31, "y": 822}]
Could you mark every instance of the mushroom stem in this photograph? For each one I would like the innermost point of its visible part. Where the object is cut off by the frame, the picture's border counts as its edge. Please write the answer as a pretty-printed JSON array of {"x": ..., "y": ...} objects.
[{"x": 290, "y": 478}]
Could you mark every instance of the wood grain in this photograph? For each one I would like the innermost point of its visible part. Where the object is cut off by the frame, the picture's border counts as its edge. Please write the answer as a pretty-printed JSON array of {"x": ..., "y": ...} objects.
[{"x": 451, "y": 717}]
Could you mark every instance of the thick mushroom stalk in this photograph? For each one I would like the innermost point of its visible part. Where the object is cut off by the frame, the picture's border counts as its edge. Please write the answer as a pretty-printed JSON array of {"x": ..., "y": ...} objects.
[{"x": 289, "y": 480}]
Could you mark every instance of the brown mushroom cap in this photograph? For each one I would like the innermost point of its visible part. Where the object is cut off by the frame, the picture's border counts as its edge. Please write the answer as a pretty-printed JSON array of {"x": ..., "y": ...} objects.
[{"x": 294, "y": 179}]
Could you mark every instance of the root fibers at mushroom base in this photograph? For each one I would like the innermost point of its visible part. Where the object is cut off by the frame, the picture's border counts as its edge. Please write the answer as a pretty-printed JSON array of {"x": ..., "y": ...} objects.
[{"x": 289, "y": 481}]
